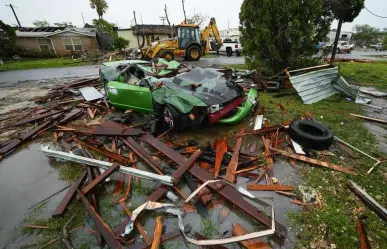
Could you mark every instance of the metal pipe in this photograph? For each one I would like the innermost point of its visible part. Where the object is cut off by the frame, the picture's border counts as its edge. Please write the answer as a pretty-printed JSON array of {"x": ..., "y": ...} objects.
[
  {"x": 105, "y": 165},
  {"x": 341, "y": 141}
]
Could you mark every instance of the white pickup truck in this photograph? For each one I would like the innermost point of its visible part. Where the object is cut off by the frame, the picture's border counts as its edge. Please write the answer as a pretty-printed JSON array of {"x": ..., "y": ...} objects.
[
  {"x": 342, "y": 47},
  {"x": 230, "y": 47}
]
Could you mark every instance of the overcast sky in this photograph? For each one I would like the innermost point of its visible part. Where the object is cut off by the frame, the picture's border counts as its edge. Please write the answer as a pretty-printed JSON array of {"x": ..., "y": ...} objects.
[{"x": 120, "y": 12}]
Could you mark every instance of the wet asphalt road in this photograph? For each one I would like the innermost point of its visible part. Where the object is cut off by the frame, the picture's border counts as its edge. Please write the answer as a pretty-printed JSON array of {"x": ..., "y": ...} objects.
[{"x": 11, "y": 77}]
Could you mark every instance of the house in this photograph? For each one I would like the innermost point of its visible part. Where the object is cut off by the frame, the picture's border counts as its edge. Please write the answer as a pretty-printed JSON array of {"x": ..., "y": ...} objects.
[
  {"x": 344, "y": 36},
  {"x": 146, "y": 33},
  {"x": 59, "y": 40},
  {"x": 233, "y": 33}
]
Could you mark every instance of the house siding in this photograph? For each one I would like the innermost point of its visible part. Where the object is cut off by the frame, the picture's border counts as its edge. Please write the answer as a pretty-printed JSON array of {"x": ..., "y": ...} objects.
[
  {"x": 132, "y": 38},
  {"x": 89, "y": 44}
]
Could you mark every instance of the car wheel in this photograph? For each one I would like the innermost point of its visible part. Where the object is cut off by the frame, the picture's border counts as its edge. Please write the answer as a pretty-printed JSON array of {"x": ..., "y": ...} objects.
[
  {"x": 193, "y": 53},
  {"x": 311, "y": 135},
  {"x": 238, "y": 53},
  {"x": 349, "y": 51},
  {"x": 171, "y": 119},
  {"x": 228, "y": 52}
]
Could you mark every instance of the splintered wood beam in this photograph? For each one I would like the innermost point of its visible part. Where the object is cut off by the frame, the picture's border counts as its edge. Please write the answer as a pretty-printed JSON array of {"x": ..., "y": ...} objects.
[
  {"x": 158, "y": 231},
  {"x": 100, "y": 178},
  {"x": 62, "y": 207},
  {"x": 105, "y": 230},
  {"x": 270, "y": 187},
  {"x": 232, "y": 166},
  {"x": 220, "y": 149},
  {"x": 238, "y": 230},
  {"x": 315, "y": 162}
]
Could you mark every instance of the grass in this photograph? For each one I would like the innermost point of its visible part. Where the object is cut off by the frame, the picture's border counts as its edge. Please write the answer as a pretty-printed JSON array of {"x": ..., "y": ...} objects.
[
  {"x": 40, "y": 63},
  {"x": 209, "y": 228},
  {"x": 375, "y": 73}
]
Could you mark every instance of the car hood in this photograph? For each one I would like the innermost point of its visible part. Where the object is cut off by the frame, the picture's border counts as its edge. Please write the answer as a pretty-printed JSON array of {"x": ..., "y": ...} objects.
[{"x": 206, "y": 84}]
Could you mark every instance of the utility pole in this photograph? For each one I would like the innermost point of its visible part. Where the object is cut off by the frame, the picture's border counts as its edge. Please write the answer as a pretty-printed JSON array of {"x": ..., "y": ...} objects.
[
  {"x": 162, "y": 18},
  {"x": 135, "y": 24},
  {"x": 185, "y": 17},
  {"x": 83, "y": 19},
  {"x": 14, "y": 13}
]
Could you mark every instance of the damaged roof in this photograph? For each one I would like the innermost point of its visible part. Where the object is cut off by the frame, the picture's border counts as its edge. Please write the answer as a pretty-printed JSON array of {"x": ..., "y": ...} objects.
[{"x": 51, "y": 31}]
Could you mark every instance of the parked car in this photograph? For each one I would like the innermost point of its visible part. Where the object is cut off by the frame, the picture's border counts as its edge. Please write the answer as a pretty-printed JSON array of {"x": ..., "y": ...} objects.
[
  {"x": 179, "y": 101},
  {"x": 230, "y": 47},
  {"x": 342, "y": 47}
]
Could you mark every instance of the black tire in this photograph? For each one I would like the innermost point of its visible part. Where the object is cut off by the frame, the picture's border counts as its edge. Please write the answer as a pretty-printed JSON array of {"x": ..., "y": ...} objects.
[
  {"x": 175, "y": 120},
  {"x": 228, "y": 52},
  {"x": 238, "y": 53},
  {"x": 167, "y": 55},
  {"x": 350, "y": 50},
  {"x": 193, "y": 53},
  {"x": 310, "y": 135}
]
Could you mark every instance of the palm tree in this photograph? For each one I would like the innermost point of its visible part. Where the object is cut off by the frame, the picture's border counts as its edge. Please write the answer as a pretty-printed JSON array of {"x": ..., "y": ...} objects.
[{"x": 100, "y": 5}]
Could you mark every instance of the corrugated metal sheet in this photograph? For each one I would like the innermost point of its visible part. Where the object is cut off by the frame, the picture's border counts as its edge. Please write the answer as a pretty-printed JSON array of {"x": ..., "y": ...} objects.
[{"x": 315, "y": 86}]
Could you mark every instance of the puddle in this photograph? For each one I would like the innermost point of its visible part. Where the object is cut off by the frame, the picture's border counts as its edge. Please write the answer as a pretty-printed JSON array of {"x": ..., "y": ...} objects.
[{"x": 25, "y": 179}]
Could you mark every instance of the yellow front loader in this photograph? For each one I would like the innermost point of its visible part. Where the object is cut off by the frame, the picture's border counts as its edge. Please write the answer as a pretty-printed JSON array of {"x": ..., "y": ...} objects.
[{"x": 189, "y": 43}]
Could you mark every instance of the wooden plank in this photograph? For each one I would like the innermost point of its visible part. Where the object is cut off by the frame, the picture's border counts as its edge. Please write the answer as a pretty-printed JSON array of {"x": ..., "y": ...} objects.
[
  {"x": 220, "y": 150},
  {"x": 288, "y": 194},
  {"x": 246, "y": 170},
  {"x": 270, "y": 187},
  {"x": 315, "y": 162},
  {"x": 166, "y": 237},
  {"x": 158, "y": 231},
  {"x": 232, "y": 166},
  {"x": 62, "y": 207},
  {"x": 186, "y": 166},
  {"x": 238, "y": 230},
  {"x": 228, "y": 192},
  {"x": 369, "y": 118},
  {"x": 364, "y": 243},
  {"x": 105, "y": 230},
  {"x": 100, "y": 178},
  {"x": 143, "y": 154},
  {"x": 28, "y": 120}
]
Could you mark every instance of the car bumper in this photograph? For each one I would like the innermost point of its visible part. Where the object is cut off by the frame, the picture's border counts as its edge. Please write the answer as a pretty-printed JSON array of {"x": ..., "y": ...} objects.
[{"x": 250, "y": 102}]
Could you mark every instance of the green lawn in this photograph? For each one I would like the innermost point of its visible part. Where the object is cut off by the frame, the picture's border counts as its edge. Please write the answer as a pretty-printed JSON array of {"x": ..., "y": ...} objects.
[
  {"x": 40, "y": 63},
  {"x": 375, "y": 73}
]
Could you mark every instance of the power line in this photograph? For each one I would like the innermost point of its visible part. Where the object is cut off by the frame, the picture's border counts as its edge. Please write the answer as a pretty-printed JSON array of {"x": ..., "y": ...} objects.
[{"x": 374, "y": 13}]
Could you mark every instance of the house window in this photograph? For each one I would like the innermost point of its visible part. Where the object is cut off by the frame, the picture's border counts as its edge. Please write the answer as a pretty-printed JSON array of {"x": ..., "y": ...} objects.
[
  {"x": 43, "y": 44},
  {"x": 72, "y": 44}
]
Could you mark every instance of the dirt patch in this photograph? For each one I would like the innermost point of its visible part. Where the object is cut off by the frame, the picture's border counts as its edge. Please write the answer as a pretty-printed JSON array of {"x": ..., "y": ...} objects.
[{"x": 19, "y": 95}]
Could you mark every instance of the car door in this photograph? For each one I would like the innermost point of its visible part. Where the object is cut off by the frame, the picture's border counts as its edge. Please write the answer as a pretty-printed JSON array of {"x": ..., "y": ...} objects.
[{"x": 130, "y": 96}]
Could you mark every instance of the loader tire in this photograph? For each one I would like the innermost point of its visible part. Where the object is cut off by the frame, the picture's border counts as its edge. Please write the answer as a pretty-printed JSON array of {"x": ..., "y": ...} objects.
[
  {"x": 193, "y": 53},
  {"x": 168, "y": 56},
  {"x": 310, "y": 135}
]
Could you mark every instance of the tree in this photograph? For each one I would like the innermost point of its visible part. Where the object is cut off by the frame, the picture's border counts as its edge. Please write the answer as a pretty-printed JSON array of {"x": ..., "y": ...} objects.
[
  {"x": 384, "y": 43},
  {"x": 344, "y": 11},
  {"x": 120, "y": 43},
  {"x": 7, "y": 40},
  {"x": 365, "y": 35},
  {"x": 64, "y": 24},
  {"x": 198, "y": 19},
  {"x": 278, "y": 34},
  {"x": 104, "y": 26},
  {"x": 41, "y": 23},
  {"x": 100, "y": 6}
]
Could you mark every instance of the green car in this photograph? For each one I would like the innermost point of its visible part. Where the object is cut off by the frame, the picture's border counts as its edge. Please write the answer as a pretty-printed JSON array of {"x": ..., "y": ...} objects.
[{"x": 178, "y": 100}]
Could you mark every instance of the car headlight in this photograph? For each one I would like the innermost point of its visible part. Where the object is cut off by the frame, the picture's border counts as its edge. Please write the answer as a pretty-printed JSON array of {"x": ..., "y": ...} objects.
[{"x": 215, "y": 108}]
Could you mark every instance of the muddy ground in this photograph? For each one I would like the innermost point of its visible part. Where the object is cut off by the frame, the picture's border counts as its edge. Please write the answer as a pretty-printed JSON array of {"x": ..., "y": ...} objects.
[{"x": 28, "y": 177}]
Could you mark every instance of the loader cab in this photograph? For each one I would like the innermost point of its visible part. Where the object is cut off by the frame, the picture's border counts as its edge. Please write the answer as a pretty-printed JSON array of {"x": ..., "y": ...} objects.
[{"x": 187, "y": 34}]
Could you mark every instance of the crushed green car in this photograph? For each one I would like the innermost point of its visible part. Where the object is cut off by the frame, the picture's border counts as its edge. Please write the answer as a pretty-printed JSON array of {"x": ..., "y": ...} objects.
[{"x": 180, "y": 97}]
